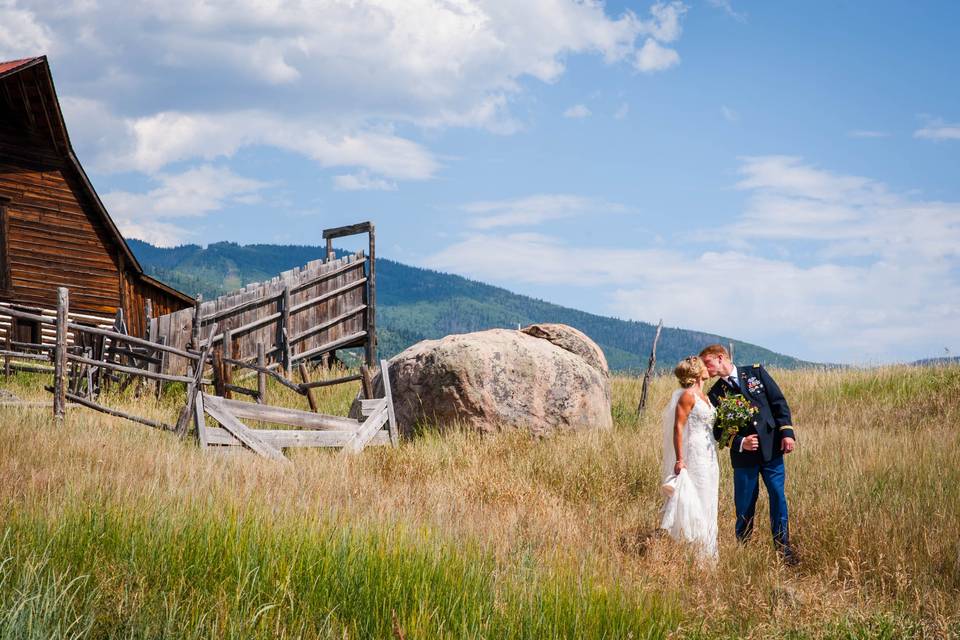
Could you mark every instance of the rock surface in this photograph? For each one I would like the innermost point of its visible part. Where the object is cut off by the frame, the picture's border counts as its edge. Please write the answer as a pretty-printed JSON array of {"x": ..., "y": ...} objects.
[
  {"x": 572, "y": 340},
  {"x": 503, "y": 379}
]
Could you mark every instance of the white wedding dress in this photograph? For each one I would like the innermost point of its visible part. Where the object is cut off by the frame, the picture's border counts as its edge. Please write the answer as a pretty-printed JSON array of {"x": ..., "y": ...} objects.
[{"x": 691, "y": 510}]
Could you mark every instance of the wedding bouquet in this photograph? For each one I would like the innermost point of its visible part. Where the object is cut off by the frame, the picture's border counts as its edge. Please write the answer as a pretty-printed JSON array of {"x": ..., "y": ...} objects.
[{"x": 734, "y": 413}]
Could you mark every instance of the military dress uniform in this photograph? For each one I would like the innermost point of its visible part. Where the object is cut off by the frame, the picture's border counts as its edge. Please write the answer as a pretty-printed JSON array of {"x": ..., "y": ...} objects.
[{"x": 771, "y": 424}]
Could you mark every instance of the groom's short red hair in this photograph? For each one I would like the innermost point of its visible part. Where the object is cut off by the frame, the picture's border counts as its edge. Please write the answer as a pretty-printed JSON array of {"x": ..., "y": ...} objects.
[{"x": 715, "y": 350}]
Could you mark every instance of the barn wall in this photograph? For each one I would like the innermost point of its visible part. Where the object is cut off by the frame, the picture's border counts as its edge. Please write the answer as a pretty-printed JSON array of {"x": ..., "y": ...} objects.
[
  {"x": 55, "y": 234},
  {"x": 51, "y": 241}
]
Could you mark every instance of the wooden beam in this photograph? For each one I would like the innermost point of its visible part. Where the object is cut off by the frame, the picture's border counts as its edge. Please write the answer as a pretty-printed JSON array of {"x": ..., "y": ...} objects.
[
  {"x": 326, "y": 296},
  {"x": 330, "y": 346},
  {"x": 283, "y": 415},
  {"x": 326, "y": 325},
  {"x": 131, "y": 370},
  {"x": 347, "y": 230},
  {"x": 284, "y": 438},
  {"x": 240, "y": 431},
  {"x": 119, "y": 414},
  {"x": 330, "y": 383},
  {"x": 366, "y": 432},
  {"x": 388, "y": 396}
]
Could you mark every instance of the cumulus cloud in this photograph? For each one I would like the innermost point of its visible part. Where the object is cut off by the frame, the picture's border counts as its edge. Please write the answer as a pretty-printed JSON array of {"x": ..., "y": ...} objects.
[
  {"x": 851, "y": 269},
  {"x": 22, "y": 34},
  {"x": 149, "y": 84},
  {"x": 193, "y": 193},
  {"x": 577, "y": 111},
  {"x": 653, "y": 57}
]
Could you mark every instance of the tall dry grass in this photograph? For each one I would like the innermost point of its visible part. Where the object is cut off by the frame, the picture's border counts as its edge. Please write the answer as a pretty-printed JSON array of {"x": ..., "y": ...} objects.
[{"x": 142, "y": 535}]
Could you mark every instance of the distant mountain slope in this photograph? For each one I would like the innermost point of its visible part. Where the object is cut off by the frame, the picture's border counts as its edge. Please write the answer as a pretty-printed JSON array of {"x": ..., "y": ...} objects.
[{"x": 414, "y": 304}]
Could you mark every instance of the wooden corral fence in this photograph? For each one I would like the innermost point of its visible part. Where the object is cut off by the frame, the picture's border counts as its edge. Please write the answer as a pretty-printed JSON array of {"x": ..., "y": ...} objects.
[
  {"x": 306, "y": 313},
  {"x": 80, "y": 374}
]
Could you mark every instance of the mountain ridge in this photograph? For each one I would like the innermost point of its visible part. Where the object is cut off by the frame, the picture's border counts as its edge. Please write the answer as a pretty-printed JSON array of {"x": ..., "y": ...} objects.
[{"x": 415, "y": 304}]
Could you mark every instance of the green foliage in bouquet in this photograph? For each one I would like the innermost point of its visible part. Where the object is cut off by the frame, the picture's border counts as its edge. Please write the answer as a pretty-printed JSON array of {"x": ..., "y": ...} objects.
[{"x": 734, "y": 413}]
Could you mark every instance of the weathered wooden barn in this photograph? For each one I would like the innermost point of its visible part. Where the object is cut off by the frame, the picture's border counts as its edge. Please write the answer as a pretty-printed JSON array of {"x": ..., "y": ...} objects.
[{"x": 54, "y": 230}]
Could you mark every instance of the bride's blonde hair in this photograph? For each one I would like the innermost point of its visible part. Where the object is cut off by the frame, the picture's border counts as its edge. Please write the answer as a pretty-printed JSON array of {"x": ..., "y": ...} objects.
[{"x": 689, "y": 371}]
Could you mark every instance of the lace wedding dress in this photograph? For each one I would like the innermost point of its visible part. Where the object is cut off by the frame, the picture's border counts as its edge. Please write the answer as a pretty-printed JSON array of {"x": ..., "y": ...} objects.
[{"x": 691, "y": 510}]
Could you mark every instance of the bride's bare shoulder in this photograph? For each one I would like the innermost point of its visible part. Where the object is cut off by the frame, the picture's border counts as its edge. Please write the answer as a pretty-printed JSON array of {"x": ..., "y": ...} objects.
[{"x": 687, "y": 398}]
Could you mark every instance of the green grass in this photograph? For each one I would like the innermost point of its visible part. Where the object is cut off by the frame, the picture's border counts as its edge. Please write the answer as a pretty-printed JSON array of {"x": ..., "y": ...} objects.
[
  {"x": 101, "y": 570},
  {"x": 113, "y": 530}
]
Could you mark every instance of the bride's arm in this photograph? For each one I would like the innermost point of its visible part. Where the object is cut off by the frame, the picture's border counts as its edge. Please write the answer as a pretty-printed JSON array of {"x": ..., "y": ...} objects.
[{"x": 684, "y": 407}]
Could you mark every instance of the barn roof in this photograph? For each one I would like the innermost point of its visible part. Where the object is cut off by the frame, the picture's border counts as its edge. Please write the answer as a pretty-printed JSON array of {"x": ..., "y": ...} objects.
[
  {"x": 13, "y": 65},
  {"x": 50, "y": 105}
]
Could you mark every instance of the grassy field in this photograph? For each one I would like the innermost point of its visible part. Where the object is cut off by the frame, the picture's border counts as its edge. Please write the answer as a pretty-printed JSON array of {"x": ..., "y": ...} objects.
[{"x": 109, "y": 529}]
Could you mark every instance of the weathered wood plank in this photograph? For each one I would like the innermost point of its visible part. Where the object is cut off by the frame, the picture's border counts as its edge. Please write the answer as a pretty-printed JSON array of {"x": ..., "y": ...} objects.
[
  {"x": 366, "y": 432},
  {"x": 240, "y": 431},
  {"x": 283, "y": 439},
  {"x": 283, "y": 415},
  {"x": 388, "y": 396}
]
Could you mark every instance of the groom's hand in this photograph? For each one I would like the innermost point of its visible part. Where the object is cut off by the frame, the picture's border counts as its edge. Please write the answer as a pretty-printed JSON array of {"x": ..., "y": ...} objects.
[
  {"x": 787, "y": 445},
  {"x": 751, "y": 443}
]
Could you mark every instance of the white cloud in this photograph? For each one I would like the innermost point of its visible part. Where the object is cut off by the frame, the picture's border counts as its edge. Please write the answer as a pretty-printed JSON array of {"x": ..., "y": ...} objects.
[
  {"x": 655, "y": 57},
  {"x": 193, "y": 193},
  {"x": 22, "y": 35},
  {"x": 665, "y": 24},
  {"x": 362, "y": 181},
  {"x": 334, "y": 81},
  {"x": 577, "y": 111},
  {"x": 411, "y": 60},
  {"x": 532, "y": 210},
  {"x": 729, "y": 114},
  {"x": 876, "y": 274},
  {"x": 622, "y": 111},
  {"x": 867, "y": 133},
  {"x": 936, "y": 129}
]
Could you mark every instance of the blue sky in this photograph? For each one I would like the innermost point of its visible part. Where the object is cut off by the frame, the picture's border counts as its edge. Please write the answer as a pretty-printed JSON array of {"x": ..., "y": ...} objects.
[{"x": 782, "y": 174}]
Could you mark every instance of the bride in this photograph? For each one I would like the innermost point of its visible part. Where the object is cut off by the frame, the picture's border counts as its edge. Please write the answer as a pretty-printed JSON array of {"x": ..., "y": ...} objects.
[{"x": 691, "y": 474}]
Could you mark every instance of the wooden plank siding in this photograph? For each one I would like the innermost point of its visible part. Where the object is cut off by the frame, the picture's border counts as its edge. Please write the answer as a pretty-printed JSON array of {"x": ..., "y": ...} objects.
[
  {"x": 327, "y": 320},
  {"x": 55, "y": 231}
]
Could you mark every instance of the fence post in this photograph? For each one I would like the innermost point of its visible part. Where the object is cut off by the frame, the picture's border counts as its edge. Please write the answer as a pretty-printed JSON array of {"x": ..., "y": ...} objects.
[
  {"x": 195, "y": 327},
  {"x": 6, "y": 359},
  {"x": 371, "y": 314},
  {"x": 285, "y": 331},
  {"x": 60, "y": 355},
  {"x": 305, "y": 378},
  {"x": 261, "y": 376},
  {"x": 649, "y": 373},
  {"x": 147, "y": 317}
]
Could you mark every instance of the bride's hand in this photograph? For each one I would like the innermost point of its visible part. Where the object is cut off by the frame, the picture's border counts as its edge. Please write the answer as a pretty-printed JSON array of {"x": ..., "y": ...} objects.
[{"x": 679, "y": 465}]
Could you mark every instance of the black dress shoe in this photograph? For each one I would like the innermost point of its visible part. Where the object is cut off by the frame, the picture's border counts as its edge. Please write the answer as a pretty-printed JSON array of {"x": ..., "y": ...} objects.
[{"x": 789, "y": 557}]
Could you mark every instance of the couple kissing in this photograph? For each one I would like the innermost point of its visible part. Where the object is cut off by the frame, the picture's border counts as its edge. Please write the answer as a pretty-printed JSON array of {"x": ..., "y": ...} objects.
[{"x": 691, "y": 473}]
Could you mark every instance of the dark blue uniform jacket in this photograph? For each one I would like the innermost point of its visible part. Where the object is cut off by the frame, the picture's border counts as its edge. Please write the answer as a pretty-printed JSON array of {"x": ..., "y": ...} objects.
[{"x": 771, "y": 424}]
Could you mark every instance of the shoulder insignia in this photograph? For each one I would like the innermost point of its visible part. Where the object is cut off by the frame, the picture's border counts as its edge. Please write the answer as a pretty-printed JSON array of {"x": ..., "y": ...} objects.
[{"x": 756, "y": 366}]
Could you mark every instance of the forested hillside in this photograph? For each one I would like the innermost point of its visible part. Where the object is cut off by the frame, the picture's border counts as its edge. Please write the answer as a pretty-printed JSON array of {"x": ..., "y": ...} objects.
[{"x": 414, "y": 304}]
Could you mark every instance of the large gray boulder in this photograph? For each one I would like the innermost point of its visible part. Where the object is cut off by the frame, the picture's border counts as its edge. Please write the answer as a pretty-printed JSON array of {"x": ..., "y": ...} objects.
[{"x": 503, "y": 379}]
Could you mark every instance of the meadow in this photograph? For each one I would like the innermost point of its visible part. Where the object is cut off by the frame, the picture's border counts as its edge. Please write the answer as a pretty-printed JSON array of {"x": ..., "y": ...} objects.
[{"x": 109, "y": 529}]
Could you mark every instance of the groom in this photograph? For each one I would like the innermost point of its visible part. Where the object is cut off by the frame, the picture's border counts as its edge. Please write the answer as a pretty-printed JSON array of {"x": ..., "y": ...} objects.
[{"x": 756, "y": 451}]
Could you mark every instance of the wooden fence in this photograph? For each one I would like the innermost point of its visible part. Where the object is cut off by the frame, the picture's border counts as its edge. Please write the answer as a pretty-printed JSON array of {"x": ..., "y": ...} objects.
[
  {"x": 300, "y": 314},
  {"x": 129, "y": 358}
]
